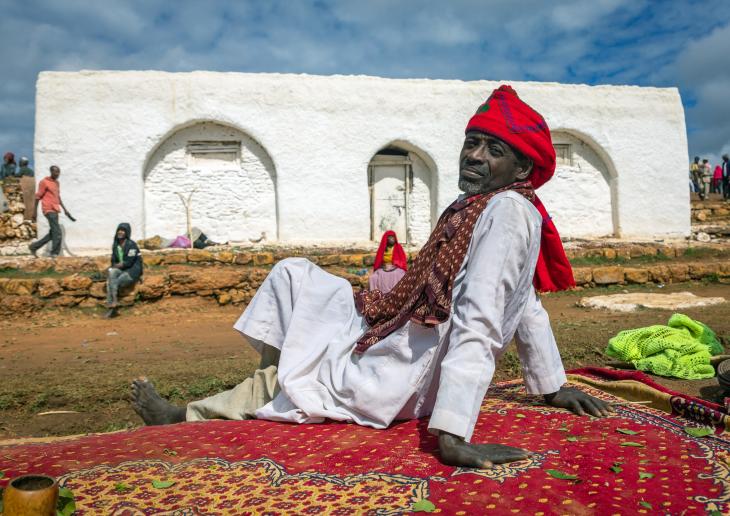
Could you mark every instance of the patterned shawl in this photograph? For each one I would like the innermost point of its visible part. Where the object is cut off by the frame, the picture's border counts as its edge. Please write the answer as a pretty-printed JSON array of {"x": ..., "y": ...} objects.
[{"x": 424, "y": 294}]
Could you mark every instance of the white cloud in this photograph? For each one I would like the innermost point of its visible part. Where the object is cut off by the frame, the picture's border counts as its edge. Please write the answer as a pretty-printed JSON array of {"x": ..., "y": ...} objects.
[{"x": 601, "y": 41}]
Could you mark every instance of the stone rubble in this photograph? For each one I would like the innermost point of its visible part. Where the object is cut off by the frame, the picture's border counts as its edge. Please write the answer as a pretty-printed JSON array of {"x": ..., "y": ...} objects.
[{"x": 14, "y": 230}]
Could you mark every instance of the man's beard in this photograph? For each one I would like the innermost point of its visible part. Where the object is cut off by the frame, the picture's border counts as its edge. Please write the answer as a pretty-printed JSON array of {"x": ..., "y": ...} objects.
[{"x": 469, "y": 187}]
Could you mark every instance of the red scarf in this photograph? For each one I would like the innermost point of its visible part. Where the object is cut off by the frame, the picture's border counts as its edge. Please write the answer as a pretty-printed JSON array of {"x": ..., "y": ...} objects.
[
  {"x": 423, "y": 295},
  {"x": 399, "y": 255}
]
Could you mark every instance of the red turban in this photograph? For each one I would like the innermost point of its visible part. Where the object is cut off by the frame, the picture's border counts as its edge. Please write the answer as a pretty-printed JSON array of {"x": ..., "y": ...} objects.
[
  {"x": 399, "y": 255},
  {"x": 505, "y": 116}
]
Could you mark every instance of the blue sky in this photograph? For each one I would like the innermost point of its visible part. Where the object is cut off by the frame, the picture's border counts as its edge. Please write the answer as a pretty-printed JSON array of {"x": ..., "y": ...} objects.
[{"x": 650, "y": 43}]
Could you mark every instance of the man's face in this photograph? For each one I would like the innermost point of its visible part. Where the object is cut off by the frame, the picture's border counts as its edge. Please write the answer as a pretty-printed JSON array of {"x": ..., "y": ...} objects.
[
  {"x": 487, "y": 163},
  {"x": 391, "y": 240},
  {"x": 55, "y": 172},
  {"x": 121, "y": 234}
]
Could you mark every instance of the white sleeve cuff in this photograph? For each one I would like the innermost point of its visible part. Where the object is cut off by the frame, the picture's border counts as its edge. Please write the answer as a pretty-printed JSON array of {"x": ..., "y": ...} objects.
[
  {"x": 451, "y": 422},
  {"x": 545, "y": 384}
]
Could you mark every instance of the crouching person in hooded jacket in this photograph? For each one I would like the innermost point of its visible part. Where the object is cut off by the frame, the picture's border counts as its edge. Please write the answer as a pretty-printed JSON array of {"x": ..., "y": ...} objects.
[{"x": 126, "y": 268}]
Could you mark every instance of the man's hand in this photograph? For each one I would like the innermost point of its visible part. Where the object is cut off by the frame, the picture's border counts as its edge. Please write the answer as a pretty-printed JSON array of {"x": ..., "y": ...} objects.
[
  {"x": 578, "y": 402},
  {"x": 457, "y": 452}
]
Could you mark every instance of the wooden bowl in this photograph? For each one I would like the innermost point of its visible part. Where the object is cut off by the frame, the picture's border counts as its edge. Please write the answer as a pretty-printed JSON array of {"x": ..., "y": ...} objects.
[{"x": 31, "y": 495}]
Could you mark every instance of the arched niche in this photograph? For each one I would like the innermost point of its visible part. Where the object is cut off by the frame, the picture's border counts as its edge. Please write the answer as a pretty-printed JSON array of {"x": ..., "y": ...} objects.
[
  {"x": 232, "y": 176},
  {"x": 581, "y": 196},
  {"x": 402, "y": 183}
]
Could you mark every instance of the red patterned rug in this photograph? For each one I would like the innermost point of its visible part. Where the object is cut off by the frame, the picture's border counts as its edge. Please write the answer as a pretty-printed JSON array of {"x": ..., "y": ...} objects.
[{"x": 640, "y": 461}]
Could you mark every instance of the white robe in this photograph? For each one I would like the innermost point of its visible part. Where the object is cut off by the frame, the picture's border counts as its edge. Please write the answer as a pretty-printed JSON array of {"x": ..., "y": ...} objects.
[{"x": 444, "y": 371}]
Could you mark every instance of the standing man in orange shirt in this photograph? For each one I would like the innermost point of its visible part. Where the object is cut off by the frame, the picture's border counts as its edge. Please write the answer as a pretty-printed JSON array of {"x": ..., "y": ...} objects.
[{"x": 49, "y": 195}]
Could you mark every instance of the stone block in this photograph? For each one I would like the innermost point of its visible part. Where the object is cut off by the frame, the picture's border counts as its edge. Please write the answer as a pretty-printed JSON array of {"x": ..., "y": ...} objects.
[
  {"x": 224, "y": 298},
  {"x": 242, "y": 258},
  {"x": 632, "y": 275},
  {"x": 65, "y": 301},
  {"x": 702, "y": 270},
  {"x": 660, "y": 274},
  {"x": 76, "y": 282},
  {"x": 89, "y": 302},
  {"x": 18, "y": 286},
  {"x": 223, "y": 257},
  {"x": 72, "y": 264},
  {"x": 608, "y": 275},
  {"x": 204, "y": 293},
  {"x": 187, "y": 282},
  {"x": 609, "y": 253},
  {"x": 263, "y": 258},
  {"x": 152, "y": 287},
  {"x": 152, "y": 243},
  {"x": 48, "y": 287},
  {"x": 98, "y": 290},
  {"x": 76, "y": 293},
  {"x": 679, "y": 272},
  {"x": 14, "y": 305},
  {"x": 200, "y": 255},
  {"x": 636, "y": 251},
  {"x": 238, "y": 296},
  {"x": 354, "y": 259},
  {"x": 176, "y": 257},
  {"x": 582, "y": 275},
  {"x": 152, "y": 259},
  {"x": 328, "y": 259},
  {"x": 721, "y": 212}
]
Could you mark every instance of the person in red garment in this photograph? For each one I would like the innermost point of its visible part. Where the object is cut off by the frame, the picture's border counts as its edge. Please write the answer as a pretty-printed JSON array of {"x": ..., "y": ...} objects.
[
  {"x": 430, "y": 345},
  {"x": 390, "y": 264}
]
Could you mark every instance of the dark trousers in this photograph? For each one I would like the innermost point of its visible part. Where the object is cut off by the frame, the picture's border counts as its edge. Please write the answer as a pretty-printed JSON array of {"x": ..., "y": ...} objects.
[
  {"x": 726, "y": 187},
  {"x": 54, "y": 235}
]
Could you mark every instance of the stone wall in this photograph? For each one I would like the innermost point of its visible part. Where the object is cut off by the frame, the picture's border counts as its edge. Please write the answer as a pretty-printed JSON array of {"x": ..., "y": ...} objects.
[
  {"x": 231, "y": 276},
  {"x": 13, "y": 227},
  {"x": 711, "y": 211}
]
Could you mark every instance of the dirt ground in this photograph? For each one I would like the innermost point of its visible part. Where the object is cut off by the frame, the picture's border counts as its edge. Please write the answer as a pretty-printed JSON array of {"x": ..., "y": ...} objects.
[{"x": 73, "y": 360}]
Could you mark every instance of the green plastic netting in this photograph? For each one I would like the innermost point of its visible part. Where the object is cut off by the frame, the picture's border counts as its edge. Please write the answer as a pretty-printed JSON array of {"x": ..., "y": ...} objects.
[{"x": 682, "y": 349}]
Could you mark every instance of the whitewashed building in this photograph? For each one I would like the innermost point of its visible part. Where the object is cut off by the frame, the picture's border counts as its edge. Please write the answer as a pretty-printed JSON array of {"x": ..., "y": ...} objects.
[{"x": 339, "y": 159}]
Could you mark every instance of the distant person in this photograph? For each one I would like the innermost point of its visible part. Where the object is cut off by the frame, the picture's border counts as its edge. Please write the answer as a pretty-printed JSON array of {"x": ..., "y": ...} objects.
[
  {"x": 8, "y": 167},
  {"x": 694, "y": 171},
  {"x": 726, "y": 176},
  {"x": 706, "y": 176},
  {"x": 126, "y": 267},
  {"x": 27, "y": 186},
  {"x": 49, "y": 195},
  {"x": 716, "y": 186},
  {"x": 390, "y": 264}
]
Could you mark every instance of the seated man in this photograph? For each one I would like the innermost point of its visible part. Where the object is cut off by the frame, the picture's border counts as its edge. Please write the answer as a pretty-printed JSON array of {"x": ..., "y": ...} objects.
[
  {"x": 126, "y": 267},
  {"x": 390, "y": 264},
  {"x": 430, "y": 345}
]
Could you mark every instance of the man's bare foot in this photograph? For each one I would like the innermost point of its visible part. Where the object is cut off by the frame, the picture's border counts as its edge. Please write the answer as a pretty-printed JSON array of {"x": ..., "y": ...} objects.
[
  {"x": 457, "y": 452},
  {"x": 151, "y": 407}
]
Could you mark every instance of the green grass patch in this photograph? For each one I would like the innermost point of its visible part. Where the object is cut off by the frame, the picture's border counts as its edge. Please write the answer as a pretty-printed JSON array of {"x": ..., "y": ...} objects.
[
  {"x": 705, "y": 252},
  {"x": 589, "y": 261},
  {"x": 9, "y": 272}
]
